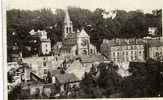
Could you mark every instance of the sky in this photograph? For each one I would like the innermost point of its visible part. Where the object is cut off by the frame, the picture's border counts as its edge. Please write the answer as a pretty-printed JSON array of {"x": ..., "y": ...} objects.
[{"x": 144, "y": 5}]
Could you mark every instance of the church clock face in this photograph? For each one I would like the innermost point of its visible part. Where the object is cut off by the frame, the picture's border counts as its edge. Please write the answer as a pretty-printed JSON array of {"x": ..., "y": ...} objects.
[{"x": 84, "y": 42}]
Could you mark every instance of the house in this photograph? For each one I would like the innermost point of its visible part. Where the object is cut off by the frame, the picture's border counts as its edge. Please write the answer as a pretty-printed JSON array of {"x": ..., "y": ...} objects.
[
  {"x": 155, "y": 49},
  {"x": 45, "y": 43},
  {"x": 66, "y": 81},
  {"x": 11, "y": 65},
  {"x": 88, "y": 60},
  {"x": 45, "y": 47},
  {"x": 56, "y": 48},
  {"x": 26, "y": 72}
]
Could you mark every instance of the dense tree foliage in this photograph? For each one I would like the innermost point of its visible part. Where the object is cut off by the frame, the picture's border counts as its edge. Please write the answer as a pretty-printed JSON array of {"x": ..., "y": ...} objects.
[
  {"x": 124, "y": 25},
  {"x": 145, "y": 81},
  {"x": 102, "y": 84}
]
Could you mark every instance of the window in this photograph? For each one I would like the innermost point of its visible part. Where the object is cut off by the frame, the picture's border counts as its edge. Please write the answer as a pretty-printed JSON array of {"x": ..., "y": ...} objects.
[
  {"x": 126, "y": 58},
  {"x": 128, "y": 47},
  {"x": 136, "y": 57},
  {"x": 135, "y": 53},
  {"x": 131, "y": 52},
  {"x": 45, "y": 71},
  {"x": 131, "y": 47},
  {"x": 123, "y": 53},
  {"x": 126, "y": 53},
  {"x": 156, "y": 48},
  {"x": 67, "y": 30},
  {"x": 44, "y": 63},
  {"x": 135, "y": 47},
  {"x": 91, "y": 51},
  {"x": 114, "y": 54},
  {"x": 140, "y": 52},
  {"x": 117, "y": 53}
]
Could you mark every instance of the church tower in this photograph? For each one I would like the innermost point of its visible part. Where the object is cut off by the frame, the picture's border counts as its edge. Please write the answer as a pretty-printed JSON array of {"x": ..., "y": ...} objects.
[{"x": 68, "y": 27}]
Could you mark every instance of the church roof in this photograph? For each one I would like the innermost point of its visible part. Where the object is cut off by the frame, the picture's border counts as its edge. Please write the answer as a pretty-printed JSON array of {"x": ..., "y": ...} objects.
[{"x": 83, "y": 33}]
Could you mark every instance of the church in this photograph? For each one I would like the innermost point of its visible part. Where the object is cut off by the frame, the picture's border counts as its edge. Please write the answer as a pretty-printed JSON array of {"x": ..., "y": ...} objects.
[{"x": 76, "y": 43}]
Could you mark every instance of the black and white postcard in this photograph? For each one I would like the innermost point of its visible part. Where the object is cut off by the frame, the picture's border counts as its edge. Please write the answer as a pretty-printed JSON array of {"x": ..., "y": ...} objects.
[{"x": 82, "y": 49}]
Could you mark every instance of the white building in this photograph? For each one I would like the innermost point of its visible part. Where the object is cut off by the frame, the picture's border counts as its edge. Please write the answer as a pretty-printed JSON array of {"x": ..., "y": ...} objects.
[{"x": 45, "y": 46}]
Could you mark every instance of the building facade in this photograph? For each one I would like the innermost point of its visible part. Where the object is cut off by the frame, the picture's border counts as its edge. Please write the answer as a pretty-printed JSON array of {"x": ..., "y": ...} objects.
[
  {"x": 127, "y": 50},
  {"x": 45, "y": 47},
  {"x": 123, "y": 50},
  {"x": 155, "y": 49}
]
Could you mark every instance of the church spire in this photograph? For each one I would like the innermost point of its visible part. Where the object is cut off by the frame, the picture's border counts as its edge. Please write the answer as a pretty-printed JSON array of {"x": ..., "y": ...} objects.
[
  {"x": 68, "y": 27},
  {"x": 67, "y": 18}
]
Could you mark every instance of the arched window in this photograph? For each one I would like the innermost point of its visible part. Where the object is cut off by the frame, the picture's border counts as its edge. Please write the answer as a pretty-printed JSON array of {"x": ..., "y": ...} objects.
[
  {"x": 69, "y": 29},
  {"x": 66, "y": 29},
  {"x": 91, "y": 51}
]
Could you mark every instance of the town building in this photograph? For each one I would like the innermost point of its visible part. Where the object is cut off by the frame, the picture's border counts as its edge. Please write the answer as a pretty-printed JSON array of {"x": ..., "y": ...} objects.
[
  {"x": 13, "y": 53},
  {"x": 127, "y": 50},
  {"x": 152, "y": 31},
  {"x": 76, "y": 43},
  {"x": 45, "y": 47},
  {"x": 155, "y": 49},
  {"x": 66, "y": 81},
  {"x": 44, "y": 42},
  {"x": 124, "y": 50}
]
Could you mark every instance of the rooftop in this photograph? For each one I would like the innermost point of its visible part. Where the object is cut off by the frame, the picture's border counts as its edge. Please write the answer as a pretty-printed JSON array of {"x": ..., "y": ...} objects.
[
  {"x": 66, "y": 78},
  {"x": 92, "y": 58}
]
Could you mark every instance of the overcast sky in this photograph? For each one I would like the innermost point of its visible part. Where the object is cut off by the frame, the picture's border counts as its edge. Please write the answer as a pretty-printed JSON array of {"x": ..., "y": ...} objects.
[{"x": 145, "y": 5}]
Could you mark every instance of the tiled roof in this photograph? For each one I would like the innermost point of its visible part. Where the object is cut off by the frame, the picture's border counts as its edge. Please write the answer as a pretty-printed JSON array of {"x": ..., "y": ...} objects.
[
  {"x": 67, "y": 47},
  {"x": 54, "y": 72},
  {"x": 92, "y": 58},
  {"x": 154, "y": 43},
  {"x": 66, "y": 78},
  {"x": 77, "y": 69},
  {"x": 82, "y": 33},
  {"x": 45, "y": 40},
  {"x": 121, "y": 42}
]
